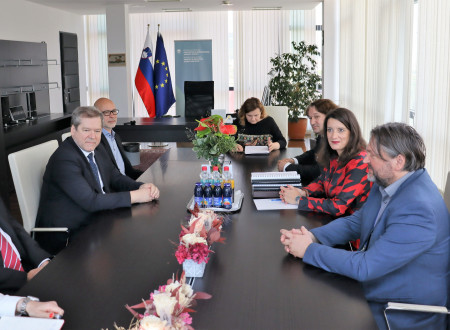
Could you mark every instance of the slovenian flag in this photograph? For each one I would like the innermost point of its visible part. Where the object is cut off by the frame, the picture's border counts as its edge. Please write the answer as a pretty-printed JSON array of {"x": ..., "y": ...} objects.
[
  {"x": 163, "y": 83},
  {"x": 144, "y": 77}
]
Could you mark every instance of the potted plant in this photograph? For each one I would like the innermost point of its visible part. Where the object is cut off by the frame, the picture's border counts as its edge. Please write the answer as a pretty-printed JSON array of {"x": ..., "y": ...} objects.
[
  {"x": 293, "y": 83},
  {"x": 213, "y": 139}
]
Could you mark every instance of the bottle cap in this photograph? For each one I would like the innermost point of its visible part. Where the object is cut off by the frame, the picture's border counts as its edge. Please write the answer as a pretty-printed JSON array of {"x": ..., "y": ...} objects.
[
  {"x": 203, "y": 168},
  {"x": 226, "y": 168},
  {"x": 215, "y": 168}
]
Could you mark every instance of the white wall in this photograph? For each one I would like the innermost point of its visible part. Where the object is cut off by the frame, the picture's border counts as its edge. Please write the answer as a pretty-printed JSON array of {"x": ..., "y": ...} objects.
[{"x": 25, "y": 21}]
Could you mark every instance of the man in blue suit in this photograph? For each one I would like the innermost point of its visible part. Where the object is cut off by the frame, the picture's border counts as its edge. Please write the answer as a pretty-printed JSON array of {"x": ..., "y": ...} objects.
[{"x": 404, "y": 232}]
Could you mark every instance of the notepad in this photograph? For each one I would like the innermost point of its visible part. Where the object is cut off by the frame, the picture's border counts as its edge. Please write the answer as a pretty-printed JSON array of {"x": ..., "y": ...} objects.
[
  {"x": 275, "y": 177},
  {"x": 29, "y": 323},
  {"x": 267, "y": 184},
  {"x": 256, "y": 150},
  {"x": 272, "y": 204}
]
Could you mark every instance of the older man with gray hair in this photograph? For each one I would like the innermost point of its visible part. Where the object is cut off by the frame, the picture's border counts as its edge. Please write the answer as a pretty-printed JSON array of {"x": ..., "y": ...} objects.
[
  {"x": 404, "y": 232},
  {"x": 80, "y": 179}
]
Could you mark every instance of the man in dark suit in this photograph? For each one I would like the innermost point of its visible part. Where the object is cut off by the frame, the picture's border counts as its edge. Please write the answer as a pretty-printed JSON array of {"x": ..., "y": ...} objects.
[
  {"x": 80, "y": 179},
  {"x": 112, "y": 141},
  {"x": 32, "y": 257},
  {"x": 404, "y": 231}
]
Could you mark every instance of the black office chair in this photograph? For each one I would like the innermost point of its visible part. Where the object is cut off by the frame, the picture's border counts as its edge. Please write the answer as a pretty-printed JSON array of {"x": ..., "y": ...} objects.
[{"x": 198, "y": 98}]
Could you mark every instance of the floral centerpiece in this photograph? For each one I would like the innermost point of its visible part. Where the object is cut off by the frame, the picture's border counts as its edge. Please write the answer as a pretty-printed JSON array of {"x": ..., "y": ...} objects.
[
  {"x": 193, "y": 250},
  {"x": 213, "y": 138},
  {"x": 168, "y": 307}
]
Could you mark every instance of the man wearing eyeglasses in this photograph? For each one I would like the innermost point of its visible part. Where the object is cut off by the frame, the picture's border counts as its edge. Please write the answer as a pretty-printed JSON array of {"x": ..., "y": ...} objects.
[{"x": 111, "y": 141}]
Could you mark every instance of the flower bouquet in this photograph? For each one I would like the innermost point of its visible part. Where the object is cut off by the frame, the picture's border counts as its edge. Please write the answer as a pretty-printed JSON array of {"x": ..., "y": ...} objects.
[
  {"x": 193, "y": 251},
  {"x": 213, "y": 138},
  {"x": 167, "y": 308}
]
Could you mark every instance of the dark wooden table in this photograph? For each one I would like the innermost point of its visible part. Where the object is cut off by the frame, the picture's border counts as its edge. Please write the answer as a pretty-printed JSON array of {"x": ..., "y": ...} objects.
[{"x": 125, "y": 254}]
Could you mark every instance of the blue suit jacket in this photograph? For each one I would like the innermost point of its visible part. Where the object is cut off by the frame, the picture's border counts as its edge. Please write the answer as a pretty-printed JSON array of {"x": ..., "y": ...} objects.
[
  {"x": 70, "y": 193},
  {"x": 407, "y": 259}
]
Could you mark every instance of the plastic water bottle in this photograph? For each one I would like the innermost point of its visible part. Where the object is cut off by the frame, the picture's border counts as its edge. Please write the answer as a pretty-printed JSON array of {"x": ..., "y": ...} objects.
[
  {"x": 216, "y": 178},
  {"x": 228, "y": 178},
  {"x": 204, "y": 176}
]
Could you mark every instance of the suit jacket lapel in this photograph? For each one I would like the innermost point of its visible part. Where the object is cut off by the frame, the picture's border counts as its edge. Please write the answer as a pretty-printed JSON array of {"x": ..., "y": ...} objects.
[
  {"x": 108, "y": 149},
  {"x": 7, "y": 228},
  {"x": 86, "y": 166},
  {"x": 370, "y": 212}
]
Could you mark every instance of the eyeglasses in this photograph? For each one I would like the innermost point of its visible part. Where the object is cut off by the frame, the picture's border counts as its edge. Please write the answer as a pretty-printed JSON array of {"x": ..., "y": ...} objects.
[{"x": 110, "y": 112}]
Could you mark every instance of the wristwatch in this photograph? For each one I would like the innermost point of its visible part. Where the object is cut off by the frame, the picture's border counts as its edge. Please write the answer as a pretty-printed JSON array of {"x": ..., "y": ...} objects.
[{"x": 23, "y": 305}]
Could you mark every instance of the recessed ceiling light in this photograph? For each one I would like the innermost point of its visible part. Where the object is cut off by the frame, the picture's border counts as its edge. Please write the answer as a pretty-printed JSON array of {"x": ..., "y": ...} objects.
[
  {"x": 226, "y": 3},
  {"x": 176, "y": 10},
  {"x": 266, "y": 8}
]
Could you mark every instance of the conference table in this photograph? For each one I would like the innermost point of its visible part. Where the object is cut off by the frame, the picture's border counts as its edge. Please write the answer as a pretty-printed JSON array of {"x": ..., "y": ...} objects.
[{"x": 125, "y": 254}]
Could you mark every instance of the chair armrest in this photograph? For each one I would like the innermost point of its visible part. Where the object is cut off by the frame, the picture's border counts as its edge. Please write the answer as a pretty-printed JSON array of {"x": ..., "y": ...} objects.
[
  {"x": 417, "y": 308},
  {"x": 50, "y": 229}
]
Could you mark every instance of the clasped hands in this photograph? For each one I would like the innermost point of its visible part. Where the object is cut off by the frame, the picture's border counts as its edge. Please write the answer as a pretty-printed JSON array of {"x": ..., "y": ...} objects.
[
  {"x": 282, "y": 163},
  {"x": 289, "y": 194},
  {"x": 296, "y": 241},
  {"x": 146, "y": 193}
]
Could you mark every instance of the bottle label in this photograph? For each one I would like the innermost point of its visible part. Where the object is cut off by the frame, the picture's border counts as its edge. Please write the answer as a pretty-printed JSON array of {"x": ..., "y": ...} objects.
[
  {"x": 199, "y": 201},
  {"x": 227, "y": 202},
  {"x": 208, "y": 201},
  {"x": 217, "y": 201}
]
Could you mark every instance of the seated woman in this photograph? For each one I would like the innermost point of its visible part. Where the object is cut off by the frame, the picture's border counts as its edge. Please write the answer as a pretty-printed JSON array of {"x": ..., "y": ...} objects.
[
  {"x": 306, "y": 163},
  {"x": 342, "y": 187},
  {"x": 256, "y": 128}
]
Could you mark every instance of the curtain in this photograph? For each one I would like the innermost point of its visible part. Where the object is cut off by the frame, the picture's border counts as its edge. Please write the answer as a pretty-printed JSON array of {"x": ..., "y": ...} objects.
[
  {"x": 183, "y": 26},
  {"x": 433, "y": 86},
  {"x": 375, "y": 58},
  {"x": 96, "y": 54},
  {"x": 258, "y": 36}
]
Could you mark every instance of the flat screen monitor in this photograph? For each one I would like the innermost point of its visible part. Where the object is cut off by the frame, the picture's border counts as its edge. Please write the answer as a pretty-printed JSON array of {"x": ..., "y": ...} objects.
[{"x": 17, "y": 113}]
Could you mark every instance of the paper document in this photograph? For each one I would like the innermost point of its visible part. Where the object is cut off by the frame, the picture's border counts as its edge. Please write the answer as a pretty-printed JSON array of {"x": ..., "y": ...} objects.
[
  {"x": 272, "y": 204},
  {"x": 252, "y": 150},
  {"x": 29, "y": 323}
]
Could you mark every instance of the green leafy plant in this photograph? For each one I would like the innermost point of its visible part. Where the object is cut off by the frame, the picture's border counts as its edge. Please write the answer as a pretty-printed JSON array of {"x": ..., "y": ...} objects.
[
  {"x": 294, "y": 80},
  {"x": 213, "y": 137}
]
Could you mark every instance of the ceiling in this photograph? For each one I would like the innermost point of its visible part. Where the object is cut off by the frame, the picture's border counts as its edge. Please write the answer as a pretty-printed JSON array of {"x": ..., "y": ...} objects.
[{"x": 86, "y": 7}]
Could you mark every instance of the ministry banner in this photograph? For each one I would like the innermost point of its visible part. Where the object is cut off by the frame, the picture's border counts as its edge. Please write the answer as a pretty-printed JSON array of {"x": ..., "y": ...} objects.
[{"x": 193, "y": 62}]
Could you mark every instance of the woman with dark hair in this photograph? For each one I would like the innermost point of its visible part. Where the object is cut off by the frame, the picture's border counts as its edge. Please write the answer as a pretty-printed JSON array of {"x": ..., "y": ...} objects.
[
  {"x": 342, "y": 187},
  {"x": 306, "y": 163},
  {"x": 256, "y": 128}
]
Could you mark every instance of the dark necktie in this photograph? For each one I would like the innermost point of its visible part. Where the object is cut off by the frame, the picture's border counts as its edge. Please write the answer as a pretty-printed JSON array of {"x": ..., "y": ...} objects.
[
  {"x": 10, "y": 258},
  {"x": 94, "y": 168}
]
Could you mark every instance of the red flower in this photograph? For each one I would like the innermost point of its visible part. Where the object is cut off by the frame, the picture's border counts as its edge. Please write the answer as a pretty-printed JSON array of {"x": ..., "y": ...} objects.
[
  {"x": 228, "y": 129},
  {"x": 182, "y": 253},
  {"x": 199, "y": 252}
]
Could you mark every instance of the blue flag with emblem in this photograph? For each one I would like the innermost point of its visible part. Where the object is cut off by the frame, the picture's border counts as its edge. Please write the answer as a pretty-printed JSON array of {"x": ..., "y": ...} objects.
[{"x": 164, "y": 97}]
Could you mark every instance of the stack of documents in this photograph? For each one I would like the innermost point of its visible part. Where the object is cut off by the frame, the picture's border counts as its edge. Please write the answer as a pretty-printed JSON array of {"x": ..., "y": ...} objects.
[{"x": 267, "y": 184}]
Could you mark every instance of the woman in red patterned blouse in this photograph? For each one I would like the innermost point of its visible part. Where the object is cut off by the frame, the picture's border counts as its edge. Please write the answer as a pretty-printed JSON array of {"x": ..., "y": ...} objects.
[{"x": 342, "y": 187}]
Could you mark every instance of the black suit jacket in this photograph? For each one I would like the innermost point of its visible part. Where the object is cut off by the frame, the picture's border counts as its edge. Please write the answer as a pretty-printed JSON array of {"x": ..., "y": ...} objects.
[
  {"x": 30, "y": 253},
  {"x": 129, "y": 170},
  {"x": 307, "y": 165},
  {"x": 70, "y": 193}
]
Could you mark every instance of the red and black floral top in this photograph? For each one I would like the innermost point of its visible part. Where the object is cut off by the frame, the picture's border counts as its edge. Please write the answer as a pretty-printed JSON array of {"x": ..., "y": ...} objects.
[{"x": 339, "y": 190}]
